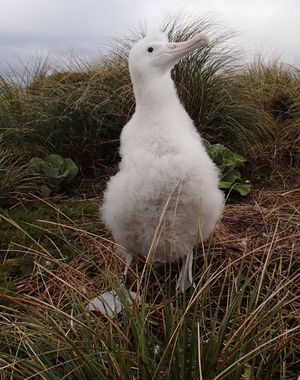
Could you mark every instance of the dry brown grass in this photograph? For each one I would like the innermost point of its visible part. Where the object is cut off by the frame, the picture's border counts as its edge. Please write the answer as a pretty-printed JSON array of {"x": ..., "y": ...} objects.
[
  {"x": 269, "y": 222},
  {"x": 245, "y": 305}
]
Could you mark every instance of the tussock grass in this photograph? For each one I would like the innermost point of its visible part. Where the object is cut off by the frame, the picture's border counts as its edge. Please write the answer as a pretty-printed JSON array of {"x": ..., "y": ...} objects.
[
  {"x": 15, "y": 180},
  {"x": 67, "y": 110},
  {"x": 55, "y": 110},
  {"x": 273, "y": 88},
  {"x": 242, "y": 318}
]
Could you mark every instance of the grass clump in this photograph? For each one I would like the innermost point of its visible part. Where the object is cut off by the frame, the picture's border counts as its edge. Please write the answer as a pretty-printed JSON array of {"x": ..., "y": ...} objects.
[
  {"x": 67, "y": 110},
  {"x": 240, "y": 320},
  {"x": 273, "y": 89},
  {"x": 15, "y": 179},
  {"x": 243, "y": 107}
]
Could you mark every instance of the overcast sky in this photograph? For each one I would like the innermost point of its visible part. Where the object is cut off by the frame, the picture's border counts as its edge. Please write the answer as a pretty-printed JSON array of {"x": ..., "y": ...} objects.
[{"x": 85, "y": 27}]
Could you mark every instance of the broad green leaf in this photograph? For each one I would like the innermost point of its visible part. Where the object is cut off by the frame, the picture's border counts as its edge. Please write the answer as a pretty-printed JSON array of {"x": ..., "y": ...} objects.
[
  {"x": 72, "y": 168},
  {"x": 223, "y": 156},
  {"x": 232, "y": 176},
  {"x": 227, "y": 161},
  {"x": 65, "y": 174},
  {"x": 50, "y": 171},
  {"x": 243, "y": 189},
  {"x": 225, "y": 185},
  {"x": 56, "y": 161},
  {"x": 36, "y": 165},
  {"x": 54, "y": 170}
]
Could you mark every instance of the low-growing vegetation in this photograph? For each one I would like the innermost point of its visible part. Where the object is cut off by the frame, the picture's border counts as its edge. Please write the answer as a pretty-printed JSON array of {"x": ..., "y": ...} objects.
[
  {"x": 59, "y": 143},
  {"x": 55, "y": 172},
  {"x": 228, "y": 163}
]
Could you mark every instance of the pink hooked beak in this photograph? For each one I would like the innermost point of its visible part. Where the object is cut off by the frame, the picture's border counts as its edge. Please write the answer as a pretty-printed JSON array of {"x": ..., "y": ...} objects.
[{"x": 180, "y": 49}]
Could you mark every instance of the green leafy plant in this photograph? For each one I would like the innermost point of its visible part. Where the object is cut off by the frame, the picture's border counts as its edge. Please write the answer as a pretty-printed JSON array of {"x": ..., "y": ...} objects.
[
  {"x": 227, "y": 161},
  {"x": 55, "y": 172}
]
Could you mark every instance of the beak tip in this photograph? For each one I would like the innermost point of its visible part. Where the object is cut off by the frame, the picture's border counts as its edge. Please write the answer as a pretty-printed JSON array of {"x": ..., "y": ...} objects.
[{"x": 203, "y": 38}]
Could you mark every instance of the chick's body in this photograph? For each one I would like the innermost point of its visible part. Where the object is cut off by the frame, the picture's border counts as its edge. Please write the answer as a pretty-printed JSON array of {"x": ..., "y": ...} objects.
[{"x": 165, "y": 194}]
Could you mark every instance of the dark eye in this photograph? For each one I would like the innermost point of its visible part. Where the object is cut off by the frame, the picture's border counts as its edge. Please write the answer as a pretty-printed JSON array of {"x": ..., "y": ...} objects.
[{"x": 150, "y": 49}]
